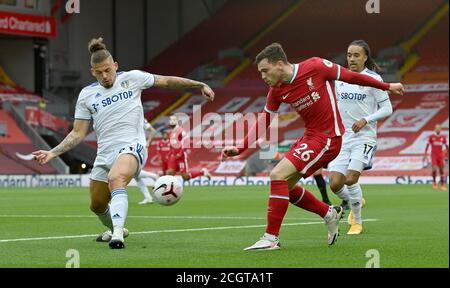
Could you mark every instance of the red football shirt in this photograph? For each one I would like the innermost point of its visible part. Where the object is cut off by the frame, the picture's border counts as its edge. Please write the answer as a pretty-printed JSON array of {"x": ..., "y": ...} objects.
[
  {"x": 176, "y": 137},
  {"x": 311, "y": 93},
  {"x": 163, "y": 148},
  {"x": 437, "y": 142}
]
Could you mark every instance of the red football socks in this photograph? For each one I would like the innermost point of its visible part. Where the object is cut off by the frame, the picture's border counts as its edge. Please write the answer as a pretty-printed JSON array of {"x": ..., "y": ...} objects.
[
  {"x": 278, "y": 205},
  {"x": 302, "y": 198},
  {"x": 195, "y": 174}
]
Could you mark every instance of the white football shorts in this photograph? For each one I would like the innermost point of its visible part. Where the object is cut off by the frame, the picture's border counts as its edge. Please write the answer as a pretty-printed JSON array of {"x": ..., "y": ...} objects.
[
  {"x": 104, "y": 162},
  {"x": 356, "y": 154}
]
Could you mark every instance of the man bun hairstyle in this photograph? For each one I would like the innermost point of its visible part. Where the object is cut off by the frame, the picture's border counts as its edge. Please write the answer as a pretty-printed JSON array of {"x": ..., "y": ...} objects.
[
  {"x": 98, "y": 51},
  {"x": 273, "y": 53},
  {"x": 370, "y": 63}
]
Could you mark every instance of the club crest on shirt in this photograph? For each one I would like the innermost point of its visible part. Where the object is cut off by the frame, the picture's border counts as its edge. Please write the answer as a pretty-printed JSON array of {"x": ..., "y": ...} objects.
[
  {"x": 315, "y": 96},
  {"x": 125, "y": 84},
  {"x": 327, "y": 63}
]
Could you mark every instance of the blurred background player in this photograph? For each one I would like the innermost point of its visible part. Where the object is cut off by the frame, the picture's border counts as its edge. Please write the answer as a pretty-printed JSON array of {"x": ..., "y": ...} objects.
[
  {"x": 178, "y": 159},
  {"x": 361, "y": 108},
  {"x": 308, "y": 88},
  {"x": 150, "y": 133},
  {"x": 114, "y": 104},
  {"x": 322, "y": 185},
  {"x": 163, "y": 149},
  {"x": 437, "y": 141}
]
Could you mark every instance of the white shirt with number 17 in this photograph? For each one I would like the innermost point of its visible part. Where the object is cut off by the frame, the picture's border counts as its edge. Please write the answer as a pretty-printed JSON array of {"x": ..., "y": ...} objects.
[{"x": 357, "y": 102}]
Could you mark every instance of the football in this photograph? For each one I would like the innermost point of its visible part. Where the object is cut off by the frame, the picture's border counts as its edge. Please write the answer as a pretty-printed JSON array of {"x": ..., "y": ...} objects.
[{"x": 167, "y": 191}]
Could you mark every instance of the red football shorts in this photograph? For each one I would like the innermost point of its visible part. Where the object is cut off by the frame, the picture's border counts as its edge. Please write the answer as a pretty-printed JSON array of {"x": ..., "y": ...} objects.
[
  {"x": 165, "y": 165},
  {"x": 177, "y": 165},
  {"x": 312, "y": 152},
  {"x": 437, "y": 161}
]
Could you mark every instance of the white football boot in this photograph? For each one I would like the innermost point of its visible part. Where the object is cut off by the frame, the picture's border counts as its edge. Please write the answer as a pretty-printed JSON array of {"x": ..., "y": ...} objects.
[
  {"x": 265, "y": 243},
  {"x": 107, "y": 235},
  {"x": 333, "y": 224}
]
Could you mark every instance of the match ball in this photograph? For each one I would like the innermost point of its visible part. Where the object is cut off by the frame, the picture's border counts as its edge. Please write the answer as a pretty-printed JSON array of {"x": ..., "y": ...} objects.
[{"x": 167, "y": 190}]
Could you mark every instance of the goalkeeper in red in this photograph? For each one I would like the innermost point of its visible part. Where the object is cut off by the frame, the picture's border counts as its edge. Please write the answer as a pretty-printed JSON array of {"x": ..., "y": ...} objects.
[{"x": 308, "y": 87}]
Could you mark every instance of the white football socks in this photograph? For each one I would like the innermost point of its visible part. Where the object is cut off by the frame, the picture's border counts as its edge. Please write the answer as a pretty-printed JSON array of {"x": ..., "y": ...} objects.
[
  {"x": 143, "y": 188},
  {"x": 147, "y": 174},
  {"x": 105, "y": 218},
  {"x": 119, "y": 207},
  {"x": 343, "y": 194},
  {"x": 356, "y": 201}
]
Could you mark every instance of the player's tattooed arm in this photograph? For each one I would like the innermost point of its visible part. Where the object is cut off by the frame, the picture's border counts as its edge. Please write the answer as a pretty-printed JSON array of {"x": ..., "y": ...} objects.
[
  {"x": 79, "y": 132},
  {"x": 80, "y": 129},
  {"x": 176, "y": 82},
  {"x": 173, "y": 82}
]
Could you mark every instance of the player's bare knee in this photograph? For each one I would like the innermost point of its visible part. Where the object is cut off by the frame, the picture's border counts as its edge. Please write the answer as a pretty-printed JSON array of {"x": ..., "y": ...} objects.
[
  {"x": 98, "y": 208},
  {"x": 335, "y": 185},
  {"x": 277, "y": 174},
  {"x": 116, "y": 181},
  {"x": 352, "y": 178}
]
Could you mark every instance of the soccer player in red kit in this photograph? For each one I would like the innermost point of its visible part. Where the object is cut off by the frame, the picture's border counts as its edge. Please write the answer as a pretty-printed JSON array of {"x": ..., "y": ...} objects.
[
  {"x": 178, "y": 159},
  {"x": 437, "y": 141},
  {"x": 308, "y": 87},
  {"x": 163, "y": 148}
]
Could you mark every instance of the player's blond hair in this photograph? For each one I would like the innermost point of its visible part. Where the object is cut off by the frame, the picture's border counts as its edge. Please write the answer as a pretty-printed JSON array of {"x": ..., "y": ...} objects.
[{"x": 98, "y": 51}]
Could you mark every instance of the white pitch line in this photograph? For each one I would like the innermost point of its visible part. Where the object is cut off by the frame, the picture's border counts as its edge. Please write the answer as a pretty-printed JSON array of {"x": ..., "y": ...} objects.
[
  {"x": 165, "y": 231},
  {"x": 155, "y": 217}
]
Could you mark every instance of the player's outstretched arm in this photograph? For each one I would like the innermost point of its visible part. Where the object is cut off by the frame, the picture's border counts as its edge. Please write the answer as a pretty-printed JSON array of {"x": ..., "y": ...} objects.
[
  {"x": 172, "y": 82},
  {"x": 364, "y": 80},
  {"x": 79, "y": 132},
  {"x": 229, "y": 151},
  {"x": 253, "y": 133},
  {"x": 396, "y": 88}
]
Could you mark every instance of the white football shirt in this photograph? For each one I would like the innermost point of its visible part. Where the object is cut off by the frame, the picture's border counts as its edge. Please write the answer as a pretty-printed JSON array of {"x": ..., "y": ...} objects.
[
  {"x": 357, "y": 102},
  {"x": 117, "y": 112}
]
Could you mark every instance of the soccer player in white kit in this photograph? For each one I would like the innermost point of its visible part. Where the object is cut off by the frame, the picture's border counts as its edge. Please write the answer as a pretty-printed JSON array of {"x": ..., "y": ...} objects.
[
  {"x": 114, "y": 105},
  {"x": 360, "y": 108}
]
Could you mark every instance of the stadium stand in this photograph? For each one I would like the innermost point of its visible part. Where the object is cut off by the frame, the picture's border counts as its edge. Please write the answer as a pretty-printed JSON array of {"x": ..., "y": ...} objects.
[
  {"x": 432, "y": 66},
  {"x": 229, "y": 58},
  {"x": 3, "y": 129},
  {"x": 173, "y": 61},
  {"x": 16, "y": 143},
  {"x": 400, "y": 147}
]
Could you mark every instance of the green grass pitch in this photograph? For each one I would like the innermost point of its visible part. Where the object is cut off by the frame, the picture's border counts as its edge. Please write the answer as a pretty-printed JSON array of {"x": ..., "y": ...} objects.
[{"x": 209, "y": 227}]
